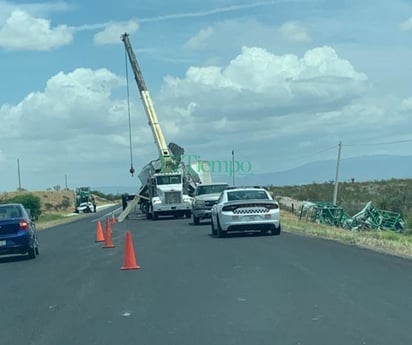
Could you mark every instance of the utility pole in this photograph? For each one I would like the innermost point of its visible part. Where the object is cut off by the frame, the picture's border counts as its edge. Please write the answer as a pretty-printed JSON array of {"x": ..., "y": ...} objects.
[
  {"x": 233, "y": 166},
  {"x": 335, "y": 192},
  {"x": 18, "y": 173},
  {"x": 65, "y": 181}
]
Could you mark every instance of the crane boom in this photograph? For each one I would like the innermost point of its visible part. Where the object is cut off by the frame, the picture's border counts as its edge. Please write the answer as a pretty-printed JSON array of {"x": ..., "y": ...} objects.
[{"x": 168, "y": 161}]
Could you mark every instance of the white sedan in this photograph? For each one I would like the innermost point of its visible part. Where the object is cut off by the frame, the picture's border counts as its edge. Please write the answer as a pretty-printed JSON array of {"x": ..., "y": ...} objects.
[{"x": 245, "y": 209}]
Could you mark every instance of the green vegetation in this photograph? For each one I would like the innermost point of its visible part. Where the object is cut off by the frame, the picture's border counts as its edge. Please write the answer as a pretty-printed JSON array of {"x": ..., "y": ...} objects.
[
  {"x": 110, "y": 197},
  {"x": 29, "y": 201}
]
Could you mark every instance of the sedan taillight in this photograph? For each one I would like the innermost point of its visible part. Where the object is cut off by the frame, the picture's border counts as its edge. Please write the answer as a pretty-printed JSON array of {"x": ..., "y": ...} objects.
[
  {"x": 229, "y": 208},
  {"x": 24, "y": 224},
  {"x": 272, "y": 206}
]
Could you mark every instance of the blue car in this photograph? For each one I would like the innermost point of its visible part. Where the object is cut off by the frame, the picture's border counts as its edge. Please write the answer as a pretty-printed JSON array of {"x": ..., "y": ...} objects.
[{"x": 18, "y": 233}]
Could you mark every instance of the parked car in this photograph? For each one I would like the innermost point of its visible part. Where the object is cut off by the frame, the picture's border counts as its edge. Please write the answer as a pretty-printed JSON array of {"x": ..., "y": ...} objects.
[
  {"x": 18, "y": 233},
  {"x": 86, "y": 207},
  {"x": 205, "y": 196},
  {"x": 245, "y": 209}
]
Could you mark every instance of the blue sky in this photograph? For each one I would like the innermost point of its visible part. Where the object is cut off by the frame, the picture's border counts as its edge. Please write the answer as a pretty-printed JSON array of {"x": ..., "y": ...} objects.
[{"x": 280, "y": 82}]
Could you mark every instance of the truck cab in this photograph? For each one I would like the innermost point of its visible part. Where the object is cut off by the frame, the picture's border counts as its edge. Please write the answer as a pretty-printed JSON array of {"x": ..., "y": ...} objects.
[{"x": 166, "y": 196}]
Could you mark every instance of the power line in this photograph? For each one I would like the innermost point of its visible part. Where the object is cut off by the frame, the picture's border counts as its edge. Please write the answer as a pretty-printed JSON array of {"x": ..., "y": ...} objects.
[{"x": 381, "y": 143}]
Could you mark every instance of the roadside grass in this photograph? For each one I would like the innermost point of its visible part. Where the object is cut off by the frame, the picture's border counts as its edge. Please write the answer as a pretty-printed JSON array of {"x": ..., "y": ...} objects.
[
  {"x": 48, "y": 220},
  {"x": 390, "y": 242},
  {"x": 48, "y": 217}
]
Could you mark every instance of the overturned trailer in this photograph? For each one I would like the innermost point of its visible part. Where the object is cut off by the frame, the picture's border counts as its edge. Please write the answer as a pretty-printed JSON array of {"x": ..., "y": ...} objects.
[{"x": 369, "y": 218}]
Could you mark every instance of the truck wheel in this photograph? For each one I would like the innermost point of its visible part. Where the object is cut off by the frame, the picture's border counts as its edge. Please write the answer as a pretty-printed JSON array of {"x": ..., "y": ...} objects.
[
  {"x": 148, "y": 214},
  {"x": 155, "y": 216},
  {"x": 196, "y": 220}
]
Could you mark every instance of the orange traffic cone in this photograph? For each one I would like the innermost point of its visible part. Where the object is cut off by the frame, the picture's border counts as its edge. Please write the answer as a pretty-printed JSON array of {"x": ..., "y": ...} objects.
[
  {"x": 108, "y": 236},
  {"x": 99, "y": 232},
  {"x": 114, "y": 221},
  {"x": 129, "y": 256}
]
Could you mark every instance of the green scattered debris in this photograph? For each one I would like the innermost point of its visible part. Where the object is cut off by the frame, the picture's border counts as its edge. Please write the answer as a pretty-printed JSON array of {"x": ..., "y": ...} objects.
[{"x": 369, "y": 218}]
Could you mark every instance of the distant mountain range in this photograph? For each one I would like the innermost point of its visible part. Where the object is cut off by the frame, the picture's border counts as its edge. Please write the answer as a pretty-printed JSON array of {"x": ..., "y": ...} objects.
[{"x": 367, "y": 168}]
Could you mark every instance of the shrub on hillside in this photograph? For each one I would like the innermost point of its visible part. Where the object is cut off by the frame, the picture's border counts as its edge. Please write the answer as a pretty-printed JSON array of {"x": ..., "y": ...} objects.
[
  {"x": 29, "y": 201},
  {"x": 111, "y": 197}
]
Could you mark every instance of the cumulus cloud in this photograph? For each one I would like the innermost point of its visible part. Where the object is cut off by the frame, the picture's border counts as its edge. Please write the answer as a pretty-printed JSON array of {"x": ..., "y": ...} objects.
[
  {"x": 406, "y": 25},
  {"x": 275, "y": 97},
  {"x": 73, "y": 101},
  {"x": 294, "y": 32},
  {"x": 112, "y": 32},
  {"x": 274, "y": 84},
  {"x": 22, "y": 31},
  {"x": 74, "y": 121}
]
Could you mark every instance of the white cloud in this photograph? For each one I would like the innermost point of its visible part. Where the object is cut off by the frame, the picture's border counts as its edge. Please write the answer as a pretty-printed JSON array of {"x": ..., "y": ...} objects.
[
  {"x": 39, "y": 9},
  {"x": 229, "y": 35},
  {"x": 112, "y": 32},
  {"x": 22, "y": 31},
  {"x": 260, "y": 99},
  {"x": 259, "y": 79},
  {"x": 294, "y": 32},
  {"x": 76, "y": 121},
  {"x": 407, "y": 104},
  {"x": 200, "y": 39},
  {"x": 406, "y": 25}
]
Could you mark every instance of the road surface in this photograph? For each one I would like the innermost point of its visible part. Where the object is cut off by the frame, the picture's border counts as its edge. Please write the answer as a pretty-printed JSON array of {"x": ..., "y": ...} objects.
[{"x": 194, "y": 289}]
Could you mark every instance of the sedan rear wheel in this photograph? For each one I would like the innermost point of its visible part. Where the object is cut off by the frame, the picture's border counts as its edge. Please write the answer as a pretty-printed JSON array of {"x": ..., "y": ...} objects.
[
  {"x": 276, "y": 230},
  {"x": 31, "y": 254},
  {"x": 213, "y": 227},
  {"x": 220, "y": 232}
]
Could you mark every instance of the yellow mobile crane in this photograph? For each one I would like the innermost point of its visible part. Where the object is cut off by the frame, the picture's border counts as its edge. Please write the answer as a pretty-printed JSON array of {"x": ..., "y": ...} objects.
[
  {"x": 168, "y": 161},
  {"x": 164, "y": 181}
]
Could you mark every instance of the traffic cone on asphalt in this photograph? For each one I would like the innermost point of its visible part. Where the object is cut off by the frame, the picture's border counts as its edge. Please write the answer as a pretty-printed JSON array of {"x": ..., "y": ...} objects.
[
  {"x": 130, "y": 262},
  {"x": 114, "y": 221},
  {"x": 99, "y": 232},
  {"x": 108, "y": 236}
]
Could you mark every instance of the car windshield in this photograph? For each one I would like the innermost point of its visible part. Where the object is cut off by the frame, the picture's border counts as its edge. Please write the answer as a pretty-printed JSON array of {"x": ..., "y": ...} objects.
[
  {"x": 211, "y": 189},
  {"x": 8, "y": 211},
  {"x": 247, "y": 195},
  {"x": 169, "y": 179}
]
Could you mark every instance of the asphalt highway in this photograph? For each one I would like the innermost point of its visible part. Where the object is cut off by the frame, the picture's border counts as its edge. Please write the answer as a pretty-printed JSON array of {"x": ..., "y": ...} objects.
[{"x": 194, "y": 289}]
